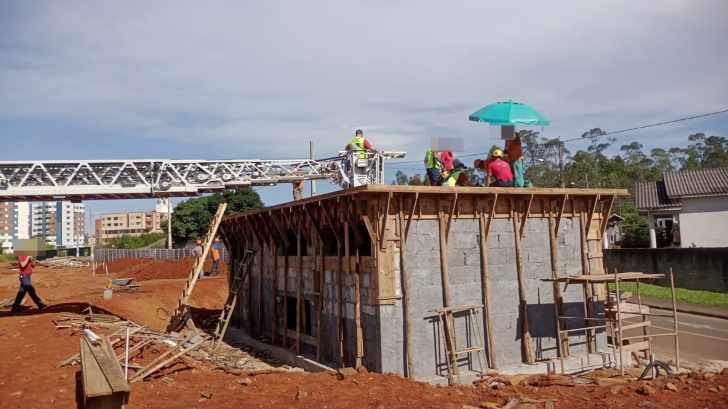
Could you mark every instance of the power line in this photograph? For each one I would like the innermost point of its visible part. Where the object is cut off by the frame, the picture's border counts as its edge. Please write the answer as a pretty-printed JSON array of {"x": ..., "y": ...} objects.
[{"x": 582, "y": 138}]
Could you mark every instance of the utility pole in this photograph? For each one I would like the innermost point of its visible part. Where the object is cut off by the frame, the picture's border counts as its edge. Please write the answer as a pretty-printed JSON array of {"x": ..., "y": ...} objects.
[
  {"x": 169, "y": 222},
  {"x": 313, "y": 182},
  {"x": 561, "y": 165},
  {"x": 586, "y": 180}
]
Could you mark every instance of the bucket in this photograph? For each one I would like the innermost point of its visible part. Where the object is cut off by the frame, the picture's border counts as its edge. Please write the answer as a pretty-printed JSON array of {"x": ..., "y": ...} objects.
[{"x": 108, "y": 293}]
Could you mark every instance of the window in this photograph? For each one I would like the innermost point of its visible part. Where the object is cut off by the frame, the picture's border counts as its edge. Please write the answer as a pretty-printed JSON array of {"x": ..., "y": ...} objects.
[{"x": 291, "y": 315}]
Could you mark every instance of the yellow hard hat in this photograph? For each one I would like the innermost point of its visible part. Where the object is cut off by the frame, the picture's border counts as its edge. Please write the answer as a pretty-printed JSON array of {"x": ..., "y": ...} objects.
[{"x": 497, "y": 153}]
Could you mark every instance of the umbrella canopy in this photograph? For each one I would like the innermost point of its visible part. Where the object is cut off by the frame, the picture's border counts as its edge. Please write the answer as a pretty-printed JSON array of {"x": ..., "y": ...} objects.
[{"x": 509, "y": 113}]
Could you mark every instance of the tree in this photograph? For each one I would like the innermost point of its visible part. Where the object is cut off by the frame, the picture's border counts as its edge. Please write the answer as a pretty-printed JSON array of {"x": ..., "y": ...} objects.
[
  {"x": 191, "y": 218},
  {"x": 400, "y": 178},
  {"x": 594, "y": 136}
]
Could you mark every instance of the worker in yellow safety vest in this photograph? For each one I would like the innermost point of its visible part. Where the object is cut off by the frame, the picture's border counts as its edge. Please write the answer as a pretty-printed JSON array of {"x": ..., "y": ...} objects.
[
  {"x": 458, "y": 177},
  {"x": 432, "y": 166},
  {"x": 359, "y": 144}
]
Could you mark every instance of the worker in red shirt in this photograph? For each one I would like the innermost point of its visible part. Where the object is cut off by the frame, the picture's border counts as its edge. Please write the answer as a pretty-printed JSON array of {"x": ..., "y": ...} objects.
[
  {"x": 26, "y": 264},
  {"x": 499, "y": 169},
  {"x": 359, "y": 144},
  {"x": 515, "y": 158},
  {"x": 446, "y": 159}
]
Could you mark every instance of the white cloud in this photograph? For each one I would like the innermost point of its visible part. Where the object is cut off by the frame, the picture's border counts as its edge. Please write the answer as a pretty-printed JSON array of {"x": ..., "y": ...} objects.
[{"x": 276, "y": 74}]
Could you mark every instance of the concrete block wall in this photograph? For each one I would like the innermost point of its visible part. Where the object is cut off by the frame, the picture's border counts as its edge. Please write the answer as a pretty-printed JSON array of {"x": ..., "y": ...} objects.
[{"x": 423, "y": 259}]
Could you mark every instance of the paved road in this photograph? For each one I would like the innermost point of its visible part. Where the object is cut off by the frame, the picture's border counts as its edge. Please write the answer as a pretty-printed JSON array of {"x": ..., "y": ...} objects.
[{"x": 701, "y": 339}]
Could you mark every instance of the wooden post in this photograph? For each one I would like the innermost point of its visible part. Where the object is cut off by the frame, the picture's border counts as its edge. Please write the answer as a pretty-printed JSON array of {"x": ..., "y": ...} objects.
[
  {"x": 357, "y": 312},
  {"x": 405, "y": 279},
  {"x": 274, "y": 289},
  {"x": 260, "y": 290},
  {"x": 619, "y": 323},
  {"x": 285, "y": 300},
  {"x": 340, "y": 320},
  {"x": 299, "y": 293},
  {"x": 674, "y": 320},
  {"x": 527, "y": 344},
  {"x": 320, "y": 316},
  {"x": 563, "y": 340},
  {"x": 645, "y": 328},
  {"x": 591, "y": 344},
  {"x": 484, "y": 231},
  {"x": 449, "y": 338}
]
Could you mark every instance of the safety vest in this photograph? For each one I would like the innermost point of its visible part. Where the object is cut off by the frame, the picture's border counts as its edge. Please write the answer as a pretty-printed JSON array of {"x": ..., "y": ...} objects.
[
  {"x": 431, "y": 162},
  {"x": 453, "y": 179},
  {"x": 357, "y": 144}
]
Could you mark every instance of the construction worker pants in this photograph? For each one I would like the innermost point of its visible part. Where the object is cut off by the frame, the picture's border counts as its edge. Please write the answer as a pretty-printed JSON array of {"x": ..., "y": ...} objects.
[
  {"x": 517, "y": 169},
  {"x": 26, "y": 287},
  {"x": 433, "y": 174},
  {"x": 215, "y": 267}
]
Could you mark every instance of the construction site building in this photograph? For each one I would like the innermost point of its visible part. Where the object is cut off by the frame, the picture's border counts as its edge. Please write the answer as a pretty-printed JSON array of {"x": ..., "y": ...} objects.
[{"x": 329, "y": 276}]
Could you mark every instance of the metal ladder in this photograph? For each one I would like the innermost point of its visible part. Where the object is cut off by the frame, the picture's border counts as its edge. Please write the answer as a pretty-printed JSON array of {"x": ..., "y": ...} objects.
[
  {"x": 447, "y": 321},
  {"x": 182, "y": 316},
  {"x": 241, "y": 273}
]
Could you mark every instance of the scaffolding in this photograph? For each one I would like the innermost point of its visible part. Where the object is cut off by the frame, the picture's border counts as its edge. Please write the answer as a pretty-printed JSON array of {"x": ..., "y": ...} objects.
[{"x": 614, "y": 315}]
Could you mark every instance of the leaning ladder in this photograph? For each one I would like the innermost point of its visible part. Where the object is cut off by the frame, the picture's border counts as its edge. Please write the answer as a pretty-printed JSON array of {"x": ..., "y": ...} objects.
[
  {"x": 447, "y": 321},
  {"x": 182, "y": 316},
  {"x": 241, "y": 274}
]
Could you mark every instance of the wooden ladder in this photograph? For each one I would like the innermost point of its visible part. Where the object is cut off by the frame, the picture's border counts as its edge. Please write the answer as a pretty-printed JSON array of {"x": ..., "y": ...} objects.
[
  {"x": 447, "y": 321},
  {"x": 241, "y": 273},
  {"x": 181, "y": 316}
]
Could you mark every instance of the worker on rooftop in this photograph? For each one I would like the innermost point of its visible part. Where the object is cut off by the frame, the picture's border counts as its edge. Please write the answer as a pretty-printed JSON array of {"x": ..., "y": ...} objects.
[
  {"x": 499, "y": 169},
  {"x": 458, "y": 177},
  {"x": 298, "y": 190},
  {"x": 432, "y": 166},
  {"x": 515, "y": 158},
  {"x": 359, "y": 144},
  {"x": 446, "y": 159}
]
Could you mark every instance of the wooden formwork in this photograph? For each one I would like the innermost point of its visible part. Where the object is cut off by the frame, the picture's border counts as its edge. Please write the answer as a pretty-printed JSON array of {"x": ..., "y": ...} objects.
[{"x": 379, "y": 216}]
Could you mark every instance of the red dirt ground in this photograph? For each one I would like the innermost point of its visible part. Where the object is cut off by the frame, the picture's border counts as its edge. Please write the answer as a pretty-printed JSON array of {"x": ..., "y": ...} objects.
[
  {"x": 150, "y": 269},
  {"x": 31, "y": 346}
]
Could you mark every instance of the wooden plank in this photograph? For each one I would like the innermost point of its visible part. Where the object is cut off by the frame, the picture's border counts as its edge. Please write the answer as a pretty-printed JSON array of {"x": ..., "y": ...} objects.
[
  {"x": 405, "y": 279},
  {"x": 592, "y": 209},
  {"x": 144, "y": 373},
  {"x": 635, "y": 325},
  {"x": 364, "y": 212},
  {"x": 340, "y": 297},
  {"x": 637, "y": 346},
  {"x": 320, "y": 310},
  {"x": 526, "y": 342},
  {"x": 106, "y": 358},
  {"x": 259, "y": 320},
  {"x": 606, "y": 211},
  {"x": 524, "y": 218},
  {"x": 305, "y": 338},
  {"x": 563, "y": 343},
  {"x": 560, "y": 214},
  {"x": 279, "y": 228},
  {"x": 412, "y": 208},
  {"x": 485, "y": 278},
  {"x": 299, "y": 294},
  {"x": 316, "y": 222},
  {"x": 94, "y": 381},
  {"x": 274, "y": 290},
  {"x": 385, "y": 220}
]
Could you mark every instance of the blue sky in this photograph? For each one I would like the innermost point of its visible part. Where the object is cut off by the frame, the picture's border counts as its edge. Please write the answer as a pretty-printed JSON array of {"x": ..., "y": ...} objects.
[{"x": 183, "y": 79}]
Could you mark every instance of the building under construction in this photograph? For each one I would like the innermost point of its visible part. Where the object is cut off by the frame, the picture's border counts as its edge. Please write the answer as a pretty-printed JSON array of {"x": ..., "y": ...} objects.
[{"x": 328, "y": 276}]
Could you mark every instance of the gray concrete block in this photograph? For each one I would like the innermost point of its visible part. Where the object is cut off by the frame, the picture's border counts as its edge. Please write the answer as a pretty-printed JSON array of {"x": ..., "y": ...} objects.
[{"x": 472, "y": 258}]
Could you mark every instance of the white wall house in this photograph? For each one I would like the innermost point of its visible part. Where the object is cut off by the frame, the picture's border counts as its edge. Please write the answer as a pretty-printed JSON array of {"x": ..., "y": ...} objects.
[{"x": 693, "y": 202}]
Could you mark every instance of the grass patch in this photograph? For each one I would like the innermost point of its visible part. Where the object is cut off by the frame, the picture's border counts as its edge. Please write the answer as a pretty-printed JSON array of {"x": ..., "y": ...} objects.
[
  {"x": 682, "y": 294},
  {"x": 7, "y": 258}
]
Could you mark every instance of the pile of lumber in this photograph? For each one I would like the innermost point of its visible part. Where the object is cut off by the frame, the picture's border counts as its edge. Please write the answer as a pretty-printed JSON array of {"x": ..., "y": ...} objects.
[
  {"x": 8, "y": 302},
  {"x": 64, "y": 262},
  {"x": 90, "y": 319}
]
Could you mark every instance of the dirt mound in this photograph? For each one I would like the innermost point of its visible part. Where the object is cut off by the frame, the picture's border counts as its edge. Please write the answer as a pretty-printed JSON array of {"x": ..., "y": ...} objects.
[{"x": 150, "y": 269}]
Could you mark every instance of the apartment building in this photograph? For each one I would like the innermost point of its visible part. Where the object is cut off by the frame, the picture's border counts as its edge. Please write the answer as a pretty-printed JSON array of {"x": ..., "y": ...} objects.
[
  {"x": 62, "y": 223},
  {"x": 112, "y": 225},
  {"x": 14, "y": 223}
]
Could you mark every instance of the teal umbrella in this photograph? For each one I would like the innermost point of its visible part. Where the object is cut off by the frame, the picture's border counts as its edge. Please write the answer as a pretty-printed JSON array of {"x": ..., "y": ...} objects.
[{"x": 509, "y": 113}]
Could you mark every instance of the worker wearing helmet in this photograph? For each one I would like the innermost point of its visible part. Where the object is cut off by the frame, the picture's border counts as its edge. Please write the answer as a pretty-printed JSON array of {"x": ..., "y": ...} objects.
[
  {"x": 500, "y": 170},
  {"x": 432, "y": 166},
  {"x": 215, "y": 250},
  {"x": 515, "y": 158},
  {"x": 458, "y": 177},
  {"x": 196, "y": 253},
  {"x": 360, "y": 145}
]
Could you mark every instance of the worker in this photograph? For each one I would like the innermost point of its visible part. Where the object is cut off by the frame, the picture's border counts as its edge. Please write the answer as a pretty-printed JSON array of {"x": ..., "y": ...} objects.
[
  {"x": 515, "y": 159},
  {"x": 360, "y": 145},
  {"x": 458, "y": 177},
  {"x": 432, "y": 166},
  {"x": 298, "y": 190},
  {"x": 215, "y": 270},
  {"x": 196, "y": 253},
  {"x": 446, "y": 159},
  {"x": 25, "y": 265},
  {"x": 499, "y": 169}
]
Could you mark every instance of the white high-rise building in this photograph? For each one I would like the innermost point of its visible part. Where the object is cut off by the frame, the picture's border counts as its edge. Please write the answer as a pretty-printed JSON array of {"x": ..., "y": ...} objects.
[
  {"x": 61, "y": 223},
  {"x": 14, "y": 223}
]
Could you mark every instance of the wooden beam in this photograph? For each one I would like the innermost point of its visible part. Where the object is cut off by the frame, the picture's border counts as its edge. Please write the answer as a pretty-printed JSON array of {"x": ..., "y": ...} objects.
[
  {"x": 274, "y": 290},
  {"x": 285, "y": 299},
  {"x": 299, "y": 294},
  {"x": 526, "y": 214},
  {"x": 449, "y": 338},
  {"x": 450, "y": 217},
  {"x": 279, "y": 228},
  {"x": 485, "y": 278},
  {"x": 335, "y": 226},
  {"x": 340, "y": 283},
  {"x": 592, "y": 210},
  {"x": 350, "y": 216},
  {"x": 259, "y": 320},
  {"x": 315, "y": 221},
  {"x": 492, "y": 215},
  {"x": 364, "y": 212},
  {"x": 526, "y": 343},
  {"x": 560, "y": 215},
  {"x": 411, "y": 213},
  {"x": 588, "y": 310},
  {"x": 563, "y": 340},
  {"x": 385, "y": 219},
  {"x": 405, "y": 279},
  {"x": 609, "y": 202},
  {"x": 320, "y": 320}
]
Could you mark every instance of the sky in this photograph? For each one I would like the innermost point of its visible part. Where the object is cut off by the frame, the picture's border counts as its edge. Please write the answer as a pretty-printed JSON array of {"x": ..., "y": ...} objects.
[{"x": 217, "y": 80}]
